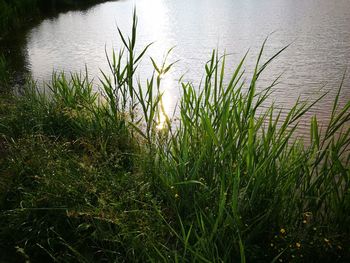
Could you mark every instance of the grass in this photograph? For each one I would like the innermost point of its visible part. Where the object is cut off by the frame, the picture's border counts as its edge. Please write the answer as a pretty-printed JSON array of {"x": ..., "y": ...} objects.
[
  {"x": 88, "y": 176},
  {"x": 4, "y": 73}
]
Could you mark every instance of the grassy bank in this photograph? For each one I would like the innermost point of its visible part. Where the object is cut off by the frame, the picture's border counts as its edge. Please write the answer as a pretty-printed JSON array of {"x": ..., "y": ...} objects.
[
  {"x": 14, "y": 13},
  {"x": 87, "y": 177}
]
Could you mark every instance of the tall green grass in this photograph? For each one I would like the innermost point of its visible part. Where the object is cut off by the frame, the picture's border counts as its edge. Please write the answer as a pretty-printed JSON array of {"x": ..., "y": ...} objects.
[
  {"x": 4, "y": 73},
  {"x": 235, "y": 174},
  {"x": 12, "y": 13},
  {"x": 93, "y": 178}
]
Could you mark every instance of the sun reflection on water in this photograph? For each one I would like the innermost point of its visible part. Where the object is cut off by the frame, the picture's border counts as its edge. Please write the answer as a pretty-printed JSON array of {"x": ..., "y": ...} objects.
[{"x": 166, "y": 108}]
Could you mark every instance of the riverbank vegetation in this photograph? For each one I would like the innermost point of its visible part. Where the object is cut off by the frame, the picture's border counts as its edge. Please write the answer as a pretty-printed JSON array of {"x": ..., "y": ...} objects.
[
  {"x": 14, "y": 13},
  {"x": 89, "y": 174}
]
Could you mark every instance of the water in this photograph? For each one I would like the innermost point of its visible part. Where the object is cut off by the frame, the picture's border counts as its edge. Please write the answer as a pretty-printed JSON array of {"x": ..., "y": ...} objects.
[{"x": 318, "y": 31}]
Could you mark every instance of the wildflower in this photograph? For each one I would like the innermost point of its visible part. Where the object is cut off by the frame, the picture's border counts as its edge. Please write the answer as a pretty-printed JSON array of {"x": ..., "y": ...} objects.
[
  {"x": 271, "y": 244},
  {"x": 304, "y": 221},
  {"x": 172, "y": 187},
  {"x": 326, "y": 240},
  {"x": 314, "y": 229},
  {"x": 308, "y": 214},
  {"x": 297, "y": 244},
  {"x": 177, "y": 196},
  {"x": 282, "y": 231}
]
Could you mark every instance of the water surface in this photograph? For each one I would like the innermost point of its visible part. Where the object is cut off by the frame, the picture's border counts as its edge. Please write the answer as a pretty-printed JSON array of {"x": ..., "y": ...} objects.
[{"x": 318, "y": 31}]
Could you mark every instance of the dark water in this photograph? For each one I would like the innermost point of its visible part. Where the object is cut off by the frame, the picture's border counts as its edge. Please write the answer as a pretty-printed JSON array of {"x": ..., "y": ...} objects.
[{"x": 318, "y": 31}]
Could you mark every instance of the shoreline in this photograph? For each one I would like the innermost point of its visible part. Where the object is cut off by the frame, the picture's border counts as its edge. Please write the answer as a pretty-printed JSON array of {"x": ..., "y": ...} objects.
[{"x": 18, "y": 14}]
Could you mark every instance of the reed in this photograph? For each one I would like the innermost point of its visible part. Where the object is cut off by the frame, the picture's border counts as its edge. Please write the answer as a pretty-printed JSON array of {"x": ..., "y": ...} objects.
[
  {"x": 237, "y": 176},
  {"x": 95, "y": 179}
]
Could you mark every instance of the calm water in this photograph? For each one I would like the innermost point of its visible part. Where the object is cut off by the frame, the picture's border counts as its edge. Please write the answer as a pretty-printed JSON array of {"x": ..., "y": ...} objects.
[{"x": 319, "y": 31}]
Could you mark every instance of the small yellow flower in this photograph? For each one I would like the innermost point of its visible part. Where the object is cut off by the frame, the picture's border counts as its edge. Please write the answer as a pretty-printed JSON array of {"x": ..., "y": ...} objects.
[
  {"x": 282, "y": 231},
  {"x": 172, "y": 187},
  {"x": 308, "y": 214},
  {"x": 304, "y": 221},
  {"x": 177, "y": 196},
  {"x": 297, "y": 244}
]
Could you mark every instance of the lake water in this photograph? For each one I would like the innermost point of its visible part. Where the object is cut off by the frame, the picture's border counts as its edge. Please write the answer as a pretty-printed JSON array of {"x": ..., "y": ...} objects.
[{"x": 318, "y": 31}]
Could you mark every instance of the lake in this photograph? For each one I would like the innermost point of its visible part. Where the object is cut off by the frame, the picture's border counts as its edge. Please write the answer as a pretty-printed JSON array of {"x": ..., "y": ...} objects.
[{"x": 318, "y": 32}]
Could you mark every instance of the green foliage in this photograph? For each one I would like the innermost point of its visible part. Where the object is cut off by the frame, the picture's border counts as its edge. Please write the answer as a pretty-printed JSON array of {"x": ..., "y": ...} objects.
[
  {"x": 93, "y": 176},
  {"x": 4, "y": 74},
  {"x": 233, "y": 171},
  {"x": 13, "y": 12}
]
